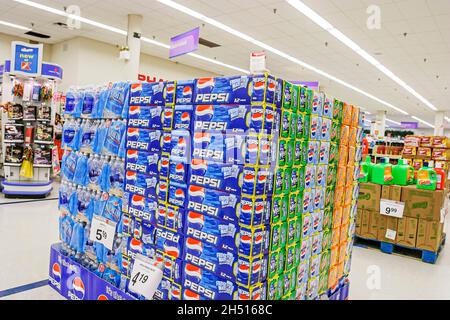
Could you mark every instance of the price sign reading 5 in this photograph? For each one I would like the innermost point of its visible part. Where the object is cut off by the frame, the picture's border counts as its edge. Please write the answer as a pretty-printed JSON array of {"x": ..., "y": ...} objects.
[
  {"x": 103, "y": 231},
  {"x": 392, "y": 208}
]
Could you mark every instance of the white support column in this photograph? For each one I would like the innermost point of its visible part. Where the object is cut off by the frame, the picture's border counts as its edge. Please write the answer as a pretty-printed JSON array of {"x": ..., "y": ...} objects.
[
  {"x": 134, "y": 45},
  {"x": 439, "y": 122},
  {"x": 380, "y": 123}
]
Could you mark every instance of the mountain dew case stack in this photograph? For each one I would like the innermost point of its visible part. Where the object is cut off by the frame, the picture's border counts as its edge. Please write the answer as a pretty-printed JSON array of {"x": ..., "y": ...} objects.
[{"x": 347, "y": 120}]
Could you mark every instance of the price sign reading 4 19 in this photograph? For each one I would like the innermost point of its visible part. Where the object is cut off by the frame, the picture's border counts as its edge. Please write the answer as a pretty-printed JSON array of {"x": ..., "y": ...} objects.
[
  {"x": 146, "y": 275},
  {"x": 392, "y": 208},
  {"x": 103, "y": 231}
]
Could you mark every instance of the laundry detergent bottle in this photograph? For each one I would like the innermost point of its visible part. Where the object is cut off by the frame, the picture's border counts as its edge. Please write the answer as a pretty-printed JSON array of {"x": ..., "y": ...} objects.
[
  {"x": 403, "y": 173},
  {"x": 366, "y": 170},
  {"x": 440, "y": 177},
  {"x": 382, "y": 172},
  {"x": 426, "y": 178}
]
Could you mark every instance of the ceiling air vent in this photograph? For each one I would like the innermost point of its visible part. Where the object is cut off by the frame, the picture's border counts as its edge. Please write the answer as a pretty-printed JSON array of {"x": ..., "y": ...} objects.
[
  {"x": 208, "y": 43},
  {"x": 60, "y": 24},
  {"x": 37, "y": 35}
]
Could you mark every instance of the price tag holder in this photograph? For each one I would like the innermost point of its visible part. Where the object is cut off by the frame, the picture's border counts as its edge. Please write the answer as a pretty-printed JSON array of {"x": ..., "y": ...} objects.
[
  {"x": 103, "y": 231},
  {"x": 145, "y": 277},
  {"x": 391, "y": 234},
  {"x": 392, "y": 208}
]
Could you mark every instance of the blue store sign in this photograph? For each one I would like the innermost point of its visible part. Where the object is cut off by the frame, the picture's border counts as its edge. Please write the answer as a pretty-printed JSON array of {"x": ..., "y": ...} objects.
[
  {"x": 51, "y": 70},
  {"x": 26, "y": 58}
]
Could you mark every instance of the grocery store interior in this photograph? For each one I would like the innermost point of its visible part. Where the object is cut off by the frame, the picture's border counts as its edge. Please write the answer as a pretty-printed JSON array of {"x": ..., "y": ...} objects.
[{"x": 224, "y": 149}]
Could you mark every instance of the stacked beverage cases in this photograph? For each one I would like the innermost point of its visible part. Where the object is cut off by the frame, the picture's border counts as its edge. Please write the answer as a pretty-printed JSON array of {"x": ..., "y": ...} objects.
[
  {"x": 92, "y": 173},
  {"x": 239, "y": 188}
]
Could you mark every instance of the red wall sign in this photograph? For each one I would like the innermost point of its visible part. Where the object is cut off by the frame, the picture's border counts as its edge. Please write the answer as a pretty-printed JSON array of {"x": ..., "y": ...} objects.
[{"x": 147, "y": 78}]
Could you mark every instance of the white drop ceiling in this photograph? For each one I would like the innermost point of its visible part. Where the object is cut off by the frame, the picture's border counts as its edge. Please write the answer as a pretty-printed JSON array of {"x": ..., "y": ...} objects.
[{"x": 425, "y": 22}]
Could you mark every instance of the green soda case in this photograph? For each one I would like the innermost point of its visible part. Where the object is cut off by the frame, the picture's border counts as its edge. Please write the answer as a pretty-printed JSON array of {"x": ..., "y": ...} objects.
[
  {"x": 289, "y": 282},
  {"x": 325, "y": 262},
  {"x": 326, "y": 239},
  {"x": 293, "y": 130},
  {"x": 293, "y": 296},
  {"x": 273, "y": 264},
  {"x": 329, "y": 197},
  {"x": 323, "y": 283},
  {"x": 295, "y": 98},
  {"x": 287, "y": 181},
  {"x": 299, "y": 203},
  {"x": 290, "y": 144},
  {"x": 286, "y": 123},
  {"x": 327, "y": 218},
  {"x": 282, "y": 152},
  {"x": 302, "y": 99},
  {"x": 283, "y": 234},
  {"x": 279, "y": 181},
  {"x": 287, "y": 95},
  {"x": 292, "y": 213},
  {"x": 275, "y": 233},
  {"x": 334, "y": 154},
  {"x": 298, "y": 152},
  {"x": 281, "y": 261},
  {"x": 284, "y": 208},
  {"x": 331, "y": 175},
  {"x": 290, "y": 257},
  {"x": 295, "y": 181},
  {"x": 292, "y": 231},
  {"x": 335, "y": 134},
  {"x": 302, "y": 125},
  {"x": 298, "y": 245},
  {"x": 338, "y": 107},
  {"x": 309, "y": 101},
  {"x": 272, "y": 288},
  {"x": 275, "y": 216}
]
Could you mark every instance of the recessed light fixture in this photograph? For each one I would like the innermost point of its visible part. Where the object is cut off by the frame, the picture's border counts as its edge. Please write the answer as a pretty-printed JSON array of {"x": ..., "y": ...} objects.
[
  {"x": 273, "y": 50},
  {"x": 315, "y": 17},
  {"x": 13, "y": 25},
  {"x": 119, "y": 31}
]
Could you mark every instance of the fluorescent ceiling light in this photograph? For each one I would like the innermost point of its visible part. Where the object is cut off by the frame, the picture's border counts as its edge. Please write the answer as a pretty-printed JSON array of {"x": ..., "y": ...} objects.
[
  {"x": 118, "y": 31},
  {"x": 394, "y": 122},
  {"x": 447, "y": 119},
  {"x": 315, "y": 17},
  {"x": 13, "y": 25},
  {"x": 282, "y": 54},
  {"x": 423, "y": 121}
]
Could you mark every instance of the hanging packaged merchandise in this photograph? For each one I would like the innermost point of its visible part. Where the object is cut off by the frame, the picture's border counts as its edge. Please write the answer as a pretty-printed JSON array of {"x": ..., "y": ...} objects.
[
  {"x": 117, "y": 100},
  {"x": 44, "y": 132},
  {"x": 114, "y": 137},
  {"x": 94, "y": 172},
  {"x": 26, "y": 170},
  {"x": 66, "y": 202},
  {"x": 88, "y": 130},
  {"x": 113, "y": 209},
  {"x": 29, "y": 133},
  {"x": 42, "y": 155},
  {"x": 74, "y": 103},
  {"x": 117, "y": 177},
  {"x": 17, "y": 90},
  {"x": 104, "y": 182},
  {"x": 84, "y": 201},
  {"x": 13, "y": 153},
  {"x": 27, "y": 91},
  {"x": 46, "y": 93},
  {"x": 15, "y": 112},
  {"x": 65, "y": 230},
  {"x": 29, "y": 113},
  {"x": 88, "y": 103},
  {"x": 81, "y": 171},
  {"x": 70, "y": 163},
  {"x": 102, "y": 93},
  {"x": 36, "y": 94},
  {"x": 100, "y": 136},
  {"x": 44, "y": 112},
  {"x": 71, "y": 135},
  {"x": 14, "y": 132}
]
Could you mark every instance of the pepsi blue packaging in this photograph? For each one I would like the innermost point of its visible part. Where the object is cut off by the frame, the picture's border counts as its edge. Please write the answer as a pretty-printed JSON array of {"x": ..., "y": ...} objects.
[
  {"x": 184, "y": 92},
  {"x": 142, "y": 162},
  {"x": 226, "y": 236},
  {"x": 315, "y": 125},
  {"x": 325, "y": 132},
  {"x": 221, "y": 118},
  {"x": 164, "y": 166},
  {"x": 207, "y": 284},
  {"x": 318, "y": 198},
  {"x": 162, "y": 293},
  {"x": 143, "y": 185},
  {"x": 169, "y": 93},
  {"x": 178, "y": 171},
  {"x": 257, "y": 181},
  {"x": 310, "y": 177},
  {"x": 178, "y": 194},
  {"x": 146, "y": 117},
  {"x": 163, "y": 190},
  {"x": 180, "y": 145},
  {"x": 144, "y": 140},
  {"x": 321, "y": 176},
  {"x": 167, "y": 118},
  {"x": 218, "y": 147},
  {"x": 143, "y": 208},
  {"x": 169, "y": 243},
  {"x": 324, "y": 152},
  {"x": 171, "y": 217},
  {"x": 327, "y": 110},
  {"x": 183, "y": 117},
  {"x": 147, "y": 94},
  {"x": 313, "y": 152}
]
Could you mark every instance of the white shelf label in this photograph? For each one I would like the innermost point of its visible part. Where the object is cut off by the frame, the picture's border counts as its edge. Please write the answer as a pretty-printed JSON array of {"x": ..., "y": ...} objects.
[
  {"x": 392, "y": 208},
  {"x": 391, "y": 234},
  {"x": 103, "y": 231},
  {"x": 145, "y": 277}
]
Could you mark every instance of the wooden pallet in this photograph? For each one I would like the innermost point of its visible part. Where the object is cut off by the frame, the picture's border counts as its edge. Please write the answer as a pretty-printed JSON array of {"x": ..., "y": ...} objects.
[{"x": 390, "y": 248}]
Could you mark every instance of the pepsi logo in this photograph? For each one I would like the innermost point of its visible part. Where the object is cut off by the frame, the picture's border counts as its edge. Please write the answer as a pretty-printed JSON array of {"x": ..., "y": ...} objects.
[
  {"x": 170, "y": 89},
  {"x": 175, "y": 293},
  {"x": 271, "y": 86},
  {"x": 244, "y": 268},
  {"x": 207, "y": 110},
  {"x": 78, "y": 288},
  {"x": 168, "y": 114},
  {"x": 244, "y": 296},
  {"x": 167, "y": 138},
  {"x": 133, "y": 132},
  {"x": 134, "y": 110},
  {"x": 136, "y": 87},
  {"x": 259, "y": 85},
  {"x": 193, "y": 244},
  {"x": 196, "y": 218},
  {"x": 259, "y": 210},
  {"x": 132, "y": 154},
  {"x": 179, "y": 193},
  {"x": 102, "y": 297},
  {"x": 171, "y": 250},
  {"x": 179, "y": 168},
  {"x": 257, "y": 116},
  {"x": 193, "y": 271},
  {"x": 185, "y": 117},
  {"x": 270, "y": 117},
  {"x": 249, "y": 178},
  {"x": 131, "y": 176},
  {"x": 138, "y": 201},
  {"x": 256, "y": 268},
  {"x": 187, "y": 91},
  {"x": 246, "y": 239},
  {"x": 136, "y": 245},
  {"x": 205, "y": 83},
  {"x": 246, "y": 209},
  {"x": 199, "y": 164},
  {"x": 202, "y": 137},
  {"x": 189, "y": 295},
  {"x": 56, "y": 271},
  {"x": 162, "y": 187},
  {"x": 259, "y": 239},
  {"x": 195, "y": 191},
  {"x": 162, "y": 212},
  {"x": 182, "y": 142},
  {"x": 252, "y": 147}
]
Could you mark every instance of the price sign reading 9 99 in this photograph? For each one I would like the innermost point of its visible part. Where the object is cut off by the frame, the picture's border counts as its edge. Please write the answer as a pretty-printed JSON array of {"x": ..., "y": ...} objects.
[{"x": 392, "y": 208}]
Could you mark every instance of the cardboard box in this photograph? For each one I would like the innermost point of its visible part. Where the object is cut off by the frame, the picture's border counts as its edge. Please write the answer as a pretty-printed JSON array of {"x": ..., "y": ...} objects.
[
  {"x": 369, "y": 196},
  {"x": 407, "y": 232},
  {"x": 423, "y": 153},
  {"x": 423, "y": 204},
  {"x": 358, "y": 222},
  {"x": 369, "y": 224},
  {"x": 412, "y": 141},
  {"x": 441, "y": 142},
  {"x": 385, "y": 224},
  {"x": 409, "y": 152},
  {"x": 440, "y": 154},
  {"x": 429, "y": 235},
  {"x": 391, "y": 193},
  {"x": 426, "y": 142}
]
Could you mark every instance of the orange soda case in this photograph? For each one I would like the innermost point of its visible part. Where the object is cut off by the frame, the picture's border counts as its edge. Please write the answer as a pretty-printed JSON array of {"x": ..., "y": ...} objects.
[
  {"x": 333, "y": 277},
  {"x": 338, "y": 211},
  {"x": 339, "y": 196},
  {"x": 343, "y": 156},
  {"x": 340, "y": 176},
  {"x": 349, "y": 176},
  {"x": 347, "y": 113},
  {"x": 355, "y": 116},
  {"x": 351, "y": 155},
  {"x": 348, "y": 195},
  {"x": 334, "y": 255},
  {"x": 343, "y": 234},
  {"x": 342, "y": 252},
  {"x": 345, "y": 134},
  {"x": 340, "y": 270},
  {"x": 335, "y": 236},
  {"x": 345, "y": 215},
  {"x": 353, "y": 134}
]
